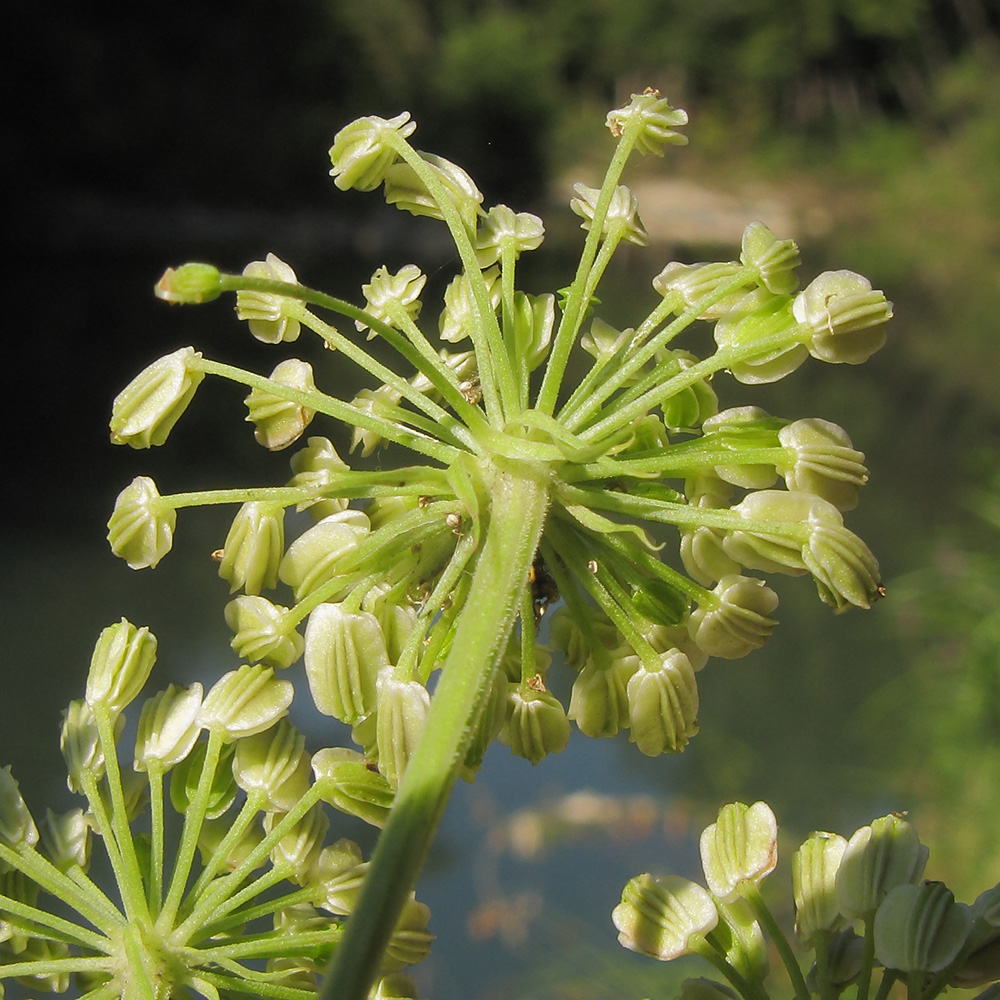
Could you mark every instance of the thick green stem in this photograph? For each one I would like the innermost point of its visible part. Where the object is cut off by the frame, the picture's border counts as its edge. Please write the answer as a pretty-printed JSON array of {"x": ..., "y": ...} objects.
[{"x": 517, "y": 516}]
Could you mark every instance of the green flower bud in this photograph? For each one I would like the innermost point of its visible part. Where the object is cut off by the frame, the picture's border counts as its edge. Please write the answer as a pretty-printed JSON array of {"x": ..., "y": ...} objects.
[
  {"x": 822, "y": 460},
  {"x": 565, "y": 633},
  {"x": 598, "y": 703},
  {"x": 663, "y": 917},
  {"x": 739, "y": 849},
  {"x": 260, "y": 633},
  {"x": 663, "y": 705},
  {"x": 16, "y": 825},
  {"x": 844, "y": 316},
  {"x": 300, "y": 848},
  {"x": 757, "y": 316},
  {"x": 411, "y": 941},
  {"x": 122, "y": 661},
  {"x": 664, "y": 638},
  {"x": 254, "y": 547},
  {"x": 47, "y": 954},
  {"x": 14, "y": 884},
  {"x": 189, "y": 284},
  {"x": 502, "y": 227},
  {"x": 245, "y": 701},
  {"x": 314, "y": 557},
  {"x": 135, "y": 796},
  {"x": 212, "y": 833},
  {"x": 603, "y": 341},
  {"x": 463, "y": 366},
  {"x": 920, "y": 928},
  {"x": 185, "y": 777},
  {"x": 814, "y": 885},
  {"x": 458, "y": 317},
  {"x": 66, "y": 839},
  {"x": 274, "y": 762},
  {"x": 982, "y": 964},
  {"x": 168, "y": 727},
  {"x": 397, "y": 621},
  {"x": 344, "y": 653},
  {"x": 693, "y": 405},
  {"x": 348, "y": 784},
  {"x": 267, "y": 312},
  {"x": 403, "y": 288},
  {"x": 695, "y": 282},
  {"x": 775, "y": 260},
  {"x": 375, "y": 402},
  {"x": 405, "y": 189},
  {"x": 315, "y": 466},
  {"x": 489, "y": 725},
  {"x": 654, "y": 119},
  {"x": 704, "y": 558},
  {"x": 622, "y": 215},
  {"x": 746, "y": 426},
  {"x": 360, "y": 154},
  {"x": 399, "y": 721},
  {"x": 535, "y": 723},
  {"x": 844, "y": 958},
  {"x": 141, "y": 528},
  {"x": 145, "y": 411},
  {"x": 80, "y": 743},
  {"x": 342, "y": 872},
  {"x": 739, "y": 622},
  {"x": 397, "y": 986},
  {"x": 281, "y": 422},
  {"x": 877, "y": 859},
  {"x": 534, "y": 317}
]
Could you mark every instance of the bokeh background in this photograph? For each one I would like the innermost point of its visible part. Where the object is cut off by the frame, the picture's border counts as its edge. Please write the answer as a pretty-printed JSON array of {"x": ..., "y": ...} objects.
[{"x": 867, "y": 129}]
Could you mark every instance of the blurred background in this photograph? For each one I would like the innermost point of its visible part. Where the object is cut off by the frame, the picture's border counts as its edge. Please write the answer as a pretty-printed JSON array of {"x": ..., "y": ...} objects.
[{"x": 869, "y": 130}]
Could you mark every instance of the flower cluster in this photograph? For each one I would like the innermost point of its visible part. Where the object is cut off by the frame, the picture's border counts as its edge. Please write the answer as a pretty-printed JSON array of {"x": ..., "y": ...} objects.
[
  {"x": 859, "y": 904},
  {"x": 270, "y": 887}
]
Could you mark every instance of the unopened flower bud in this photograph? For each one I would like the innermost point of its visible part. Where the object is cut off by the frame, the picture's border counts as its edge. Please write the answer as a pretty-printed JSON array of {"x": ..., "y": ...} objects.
[
  {"x": 695, "y": 282},
  {"x": 411, "y": 941},
  {"x": 405, "y": 190},
  {"x": 396, "y": 986},
  {"x": 189, "y": 284},
  {"x": 274, "y": 762},
  {"x": 80, "y": 742},
  {"x": 504, "y": 227},
  {"x": 758, "y": 317},
  {"x": 348, "y": 784},
  {"x": 814, "y": 885},
  {"x": 260, "y": 634},
  {"x": 739, "y": 849},
  {"x": 622, "y": 216},
  {"x": 742, "y": 427},
  {"x": 345, "y": 651},
  {"x": 360, "y": 154},
  {"x": 822, "y": 460},
  {"x": 536, "y": 723},
  {"x": 534, "y": 317},
  {"x": 122, "y": 661},
  {"x": 844, "y": 317},
  {"x": 315, "y": 467},
  {"x": 300, "y": 847},
  {"x": 877, "y": 859},
  {"x": 212, "y": 833},
  {"x": 920, "y": 928},
  {"x": 598, "y": 703},
  {"x": 168, "y": 727},
  {"x": 402, "y": 288},
  {"x": 694, "y": 404},
  {"x": 280, "y": 422},
  {"x": 141, "y": 527},
  {"x": 654, "y": 120},
  {"x": 245, "y": 701},
  {"x": 458, "y": 317},
  {"x": 186, "y": 776},
  {"x": 663, "y": 917},
  {"x": 399, "y": 721},
  {"x": 268, "y": 312},
  {"x": 704, "y": 558},
  {"x": 145, "y": 411},
  {"x": 489, "y": 725},
  {"x": 566, "y": 634},
  {"x": 739, "y": 622},
  {"x": 775, "y": 260},
  {"x": 396, "y": 620},
  {"x": 254, "y": 547},
  {"x": 16, "y": 825},
  {"x": 66, "y": 839},
  {"x": 342, "y": 872},
  {"x": 663, "y": 705},
  {"x": 314, "y": 556}
]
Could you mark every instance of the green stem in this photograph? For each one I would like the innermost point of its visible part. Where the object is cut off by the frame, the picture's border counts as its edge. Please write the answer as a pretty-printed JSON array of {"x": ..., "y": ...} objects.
[
  {"x": 764, "y": 915},
  {"x": 517, "y": 517},
  {"x": 867, "y": 958}
]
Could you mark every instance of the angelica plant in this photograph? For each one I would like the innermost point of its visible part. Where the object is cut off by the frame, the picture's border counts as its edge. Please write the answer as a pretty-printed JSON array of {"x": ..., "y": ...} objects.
[{"x": 414, "y": 599}]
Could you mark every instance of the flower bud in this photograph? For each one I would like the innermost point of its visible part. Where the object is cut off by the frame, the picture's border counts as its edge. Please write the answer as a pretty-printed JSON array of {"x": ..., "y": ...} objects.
[
  {"x": 739, "y": 938},
  {"x": 345, "y": 652},
  {"x": 535, "y": 724},
  {"x": 565, "y": 633},
  {"x": 739, "y": 427},
  {"x": 920, "y": 928},
  {"x": 300, "y": 847},
  {"x": 399, "y": 722},
  {"x": 458, "y": 317},
  {"x": 739, "y": 622},
  {"x": 260, "y": 633},
  {"x": 663, "y": 705},
  {"x": 704, "y": 557},
  {"x": 342, "y": 873},
  {"x": 397, "y": 621},
  {"x": 844, "y": 958},
  {"x": 877, "y": 859},
  {"x": 315, "y": 467},
  {"x": 694, "y": 404},
  {"x": 622, "y": 216},
  {"x": 844, "y": 317},
  {"x": 66, "y": 839},
  {"x": 212, "y": 833},
  {"x": 534, "y": 317},
  {"x": 80, "y": 742},
  {"x": 822, "y": 460},
  {"x": 396, "y": 986},
  {"x": 739, "y": 849},
  {"x": 489, "y": 725},
  {"x": 775, "y": 260},
  {"x": 244, "y": 702},
  {"x": 122, "y": 661},
  {"x": 663, "y": 917},
  {"x": 348, "y": 784},
  {"x": 360, "y": 154},
  {"x": 267, "y": 312},
  {"x": 254, "y": 547},
  {"x": 756, "y": 317},
  {"x": 654, "y": 120},
  {"x": 502, "y": 227},
  {"x": 185, "y": 778},
  {"x": 695, "y": 282},
  {"x": 664, "y": 638},
  {"x": 189, "y": 284},
  {"x": 168, "y": 727},
  {"x": 814, "y": 885},
  {"x": 279, "y": 421},
  {"x": 405, "y": 189},
  {"x": 603, "y": 341},
  {"x": 141, "y": 528},
  {"x": 274, "y": 762},
  {"x": 314, "y": 557},
  {"x": 16, "y": 825},
  {"x": 411, "y": 941},
  {"x": 145, "y": 411},
  {"x": 403, "y": 288}
]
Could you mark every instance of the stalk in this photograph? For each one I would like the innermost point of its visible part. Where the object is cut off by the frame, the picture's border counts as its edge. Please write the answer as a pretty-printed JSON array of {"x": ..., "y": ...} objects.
[{"x": 517, "y": 517}]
